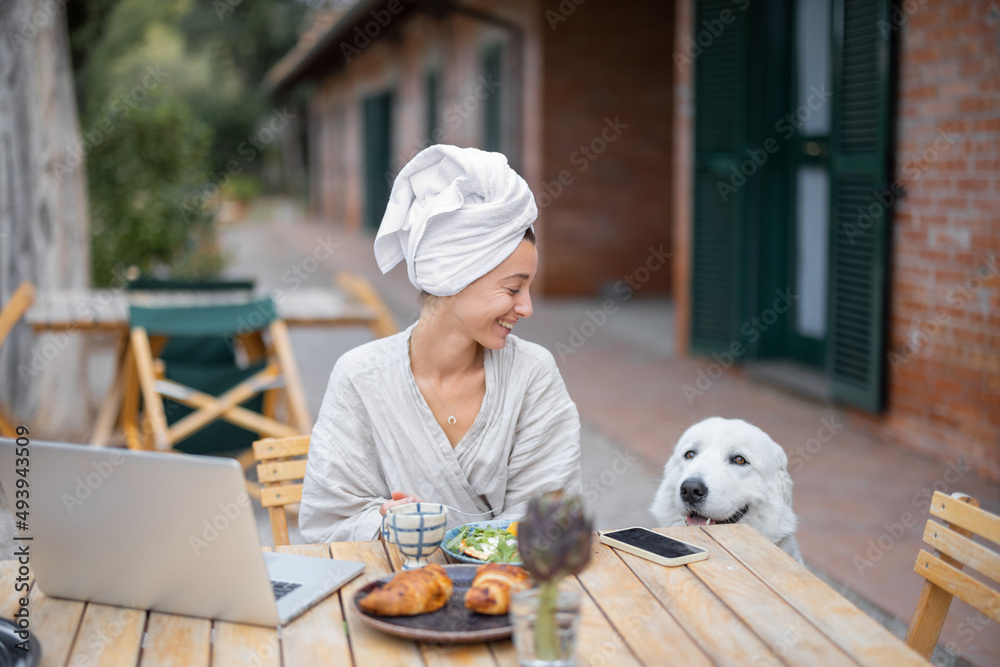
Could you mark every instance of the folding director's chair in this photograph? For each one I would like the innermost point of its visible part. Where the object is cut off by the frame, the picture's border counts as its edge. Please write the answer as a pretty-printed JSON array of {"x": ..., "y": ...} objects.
[{"x": 183, "y": 399}]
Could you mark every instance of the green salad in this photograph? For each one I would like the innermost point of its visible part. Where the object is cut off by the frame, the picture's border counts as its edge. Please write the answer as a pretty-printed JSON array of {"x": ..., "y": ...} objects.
[{"x": 494, "y": 545}]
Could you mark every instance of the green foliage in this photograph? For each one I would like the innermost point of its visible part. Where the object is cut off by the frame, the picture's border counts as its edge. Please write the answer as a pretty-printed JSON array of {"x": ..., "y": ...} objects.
[
  {"x": 168, "y": 91},
  {"x": 141, "y": 172}
]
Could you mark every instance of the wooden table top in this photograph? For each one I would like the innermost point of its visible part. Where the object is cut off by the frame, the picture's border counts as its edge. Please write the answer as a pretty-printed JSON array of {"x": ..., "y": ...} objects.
[
  {"x": 747, "y": 604},
  {"x": 107, "y": 309}
]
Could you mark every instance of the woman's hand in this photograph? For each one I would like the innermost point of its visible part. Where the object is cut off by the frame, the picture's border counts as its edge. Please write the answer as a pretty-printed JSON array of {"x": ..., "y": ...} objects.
[{"x": 398, "y": 498}]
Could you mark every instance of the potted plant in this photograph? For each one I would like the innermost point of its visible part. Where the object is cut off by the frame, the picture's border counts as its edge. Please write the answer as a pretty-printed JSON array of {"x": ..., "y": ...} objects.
[{"x": 554, "y": 542}]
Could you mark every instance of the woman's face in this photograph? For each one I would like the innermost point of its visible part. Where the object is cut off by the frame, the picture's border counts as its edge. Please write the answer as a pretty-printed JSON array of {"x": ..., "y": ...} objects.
[{"x": 490, "y": 307}]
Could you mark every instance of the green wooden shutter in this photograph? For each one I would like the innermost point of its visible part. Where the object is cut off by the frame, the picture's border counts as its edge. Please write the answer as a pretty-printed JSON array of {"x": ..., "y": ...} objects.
[
  {"x": 377, "y": 116},
  {"x": 492, "y": 63},
  {"x": 718, "y": 234},
  {"x": 859, "y": 220}
]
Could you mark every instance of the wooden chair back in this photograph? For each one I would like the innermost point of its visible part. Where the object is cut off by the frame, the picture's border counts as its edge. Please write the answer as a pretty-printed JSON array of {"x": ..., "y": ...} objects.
[
  {"x": 281, "y": 465},
  {"x": 362, "y": 290},
  {"x": 13, "y": 310},
  {"x": 943, "y": 571}
]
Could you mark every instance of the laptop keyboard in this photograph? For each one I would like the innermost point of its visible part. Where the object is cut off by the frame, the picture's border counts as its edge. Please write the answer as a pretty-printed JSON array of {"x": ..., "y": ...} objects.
[{"x": 283, "y": 588}]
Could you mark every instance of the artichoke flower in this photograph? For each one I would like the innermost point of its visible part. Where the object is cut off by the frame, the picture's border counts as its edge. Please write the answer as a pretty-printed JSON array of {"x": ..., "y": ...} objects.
[{"x": 554, "y": 542}]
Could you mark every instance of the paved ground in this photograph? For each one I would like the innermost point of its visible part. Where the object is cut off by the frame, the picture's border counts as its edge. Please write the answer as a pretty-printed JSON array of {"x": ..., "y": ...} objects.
[{"x": 862, "y": 504}]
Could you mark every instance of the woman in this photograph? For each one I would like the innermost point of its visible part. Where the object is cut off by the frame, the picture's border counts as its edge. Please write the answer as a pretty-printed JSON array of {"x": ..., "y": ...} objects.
[{"x": 455, "y": 409}]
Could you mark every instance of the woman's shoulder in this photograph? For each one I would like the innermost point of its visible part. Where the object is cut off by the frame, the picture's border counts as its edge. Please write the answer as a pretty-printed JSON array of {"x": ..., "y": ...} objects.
[
  {"x": 528, "y": 355},
  {"x": 371, "y": 357}
]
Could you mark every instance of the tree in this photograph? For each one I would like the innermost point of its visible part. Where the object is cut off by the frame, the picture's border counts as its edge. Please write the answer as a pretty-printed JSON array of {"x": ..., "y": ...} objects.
[{"x": 43, "y": 209}]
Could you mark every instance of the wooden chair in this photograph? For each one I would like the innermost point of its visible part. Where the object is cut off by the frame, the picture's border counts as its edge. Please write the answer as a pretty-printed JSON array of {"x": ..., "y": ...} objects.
[
  {"x": 20, "y": 301},
  {"x": 281, "y": 465},
  {"x": 273, "y": 366},
  {"x": 362, "y": 290},
  {"x": 943, "y": 571}
]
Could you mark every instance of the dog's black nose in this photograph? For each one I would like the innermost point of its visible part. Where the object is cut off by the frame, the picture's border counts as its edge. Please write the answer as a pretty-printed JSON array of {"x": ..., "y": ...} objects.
[{"x": 693, "y": 490}]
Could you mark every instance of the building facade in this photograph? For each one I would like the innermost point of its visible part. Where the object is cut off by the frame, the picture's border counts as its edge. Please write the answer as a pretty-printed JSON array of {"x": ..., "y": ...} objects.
[{"x": 816, "y": 183}]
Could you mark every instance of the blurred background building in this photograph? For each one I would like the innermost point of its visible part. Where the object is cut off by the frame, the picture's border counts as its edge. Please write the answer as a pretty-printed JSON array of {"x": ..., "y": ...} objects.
[{"x": 816, "y": 183}]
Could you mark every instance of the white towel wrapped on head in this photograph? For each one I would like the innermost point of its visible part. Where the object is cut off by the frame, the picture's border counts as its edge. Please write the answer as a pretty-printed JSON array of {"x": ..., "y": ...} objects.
[{"x": 454, "y": 215}]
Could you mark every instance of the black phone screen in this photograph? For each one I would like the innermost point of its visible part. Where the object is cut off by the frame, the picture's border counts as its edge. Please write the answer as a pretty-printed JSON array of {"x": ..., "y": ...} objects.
[{"x": 661, "y": 545}]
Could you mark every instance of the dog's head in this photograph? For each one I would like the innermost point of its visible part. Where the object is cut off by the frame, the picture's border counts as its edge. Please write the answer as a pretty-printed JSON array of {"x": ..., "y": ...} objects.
[{"x": 727, "y": 471}]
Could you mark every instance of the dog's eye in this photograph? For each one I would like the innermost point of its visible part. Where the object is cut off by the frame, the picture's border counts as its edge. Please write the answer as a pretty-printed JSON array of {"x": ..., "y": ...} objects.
[
  {"x": 739, "y": 460},
  {"x": 689, "y": 454}
]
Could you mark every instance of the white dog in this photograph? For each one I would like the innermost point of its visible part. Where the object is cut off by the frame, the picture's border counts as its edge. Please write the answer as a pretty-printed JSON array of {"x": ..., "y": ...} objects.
[{"x": 728, "y": 471}]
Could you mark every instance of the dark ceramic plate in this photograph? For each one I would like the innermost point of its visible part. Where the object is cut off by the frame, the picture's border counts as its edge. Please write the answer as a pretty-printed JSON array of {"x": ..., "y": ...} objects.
[
  {"x": 451, "y": 624},
  {"x": 12, "y": 656}
]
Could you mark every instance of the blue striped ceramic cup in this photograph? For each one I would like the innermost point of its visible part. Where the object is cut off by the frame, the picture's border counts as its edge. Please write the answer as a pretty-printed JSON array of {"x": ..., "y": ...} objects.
[{"x": 417, "y": 529}]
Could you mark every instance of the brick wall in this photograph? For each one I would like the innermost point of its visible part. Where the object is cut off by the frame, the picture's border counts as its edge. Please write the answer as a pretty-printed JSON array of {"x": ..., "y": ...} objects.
[
  {"x": 944, "y": 329},
  {"x": 606, "y": 66}
]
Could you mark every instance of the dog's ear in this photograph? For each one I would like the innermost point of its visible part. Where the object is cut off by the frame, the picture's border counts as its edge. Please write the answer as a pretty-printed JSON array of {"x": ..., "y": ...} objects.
[
  {"x": 784, "y": 483},
  {"x": 782, "y": 479}
]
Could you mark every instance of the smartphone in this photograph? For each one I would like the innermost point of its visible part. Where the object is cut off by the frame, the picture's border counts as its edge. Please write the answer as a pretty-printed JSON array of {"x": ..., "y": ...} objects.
[{"x": 653, "y": 546}]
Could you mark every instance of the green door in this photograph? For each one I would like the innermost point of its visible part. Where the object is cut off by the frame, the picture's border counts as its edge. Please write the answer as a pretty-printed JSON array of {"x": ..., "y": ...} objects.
[
  {"x": 377, "y": 130},
  {"x": 791, "y": 143}
]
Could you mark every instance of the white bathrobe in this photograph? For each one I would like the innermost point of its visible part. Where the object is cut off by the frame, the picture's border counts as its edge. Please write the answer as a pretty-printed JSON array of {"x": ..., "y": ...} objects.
[{"x": 376, "y": 434}]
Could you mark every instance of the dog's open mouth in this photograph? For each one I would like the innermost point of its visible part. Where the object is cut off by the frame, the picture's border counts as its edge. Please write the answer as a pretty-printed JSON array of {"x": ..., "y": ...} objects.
[{"x": 695, "y": 519}]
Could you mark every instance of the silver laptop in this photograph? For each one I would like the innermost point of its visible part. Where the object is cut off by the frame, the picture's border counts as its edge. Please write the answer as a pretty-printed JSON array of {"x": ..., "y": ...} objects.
[{"x": 167, "y": 532}]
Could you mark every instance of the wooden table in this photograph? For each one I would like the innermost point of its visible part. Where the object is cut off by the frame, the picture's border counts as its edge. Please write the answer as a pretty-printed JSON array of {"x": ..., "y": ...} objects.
[
  {"x": 748, "y": 604},
  {"x": 354, "y": 303}
]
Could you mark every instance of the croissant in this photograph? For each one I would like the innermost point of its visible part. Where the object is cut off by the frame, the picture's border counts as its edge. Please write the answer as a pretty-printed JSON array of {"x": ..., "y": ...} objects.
[
  {"x": 492, "y": 587},
  {"x": 410, "y": 593}
]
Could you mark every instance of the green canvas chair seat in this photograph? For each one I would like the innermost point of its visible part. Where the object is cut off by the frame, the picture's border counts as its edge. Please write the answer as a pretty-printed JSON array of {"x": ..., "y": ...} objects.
[
  {"x": 195, "y": 348},
  {"x": 207, "y": 403}
]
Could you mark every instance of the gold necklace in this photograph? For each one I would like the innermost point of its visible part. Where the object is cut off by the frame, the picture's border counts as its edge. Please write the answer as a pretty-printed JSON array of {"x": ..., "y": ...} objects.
[{"x": 451, "y": 417}]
